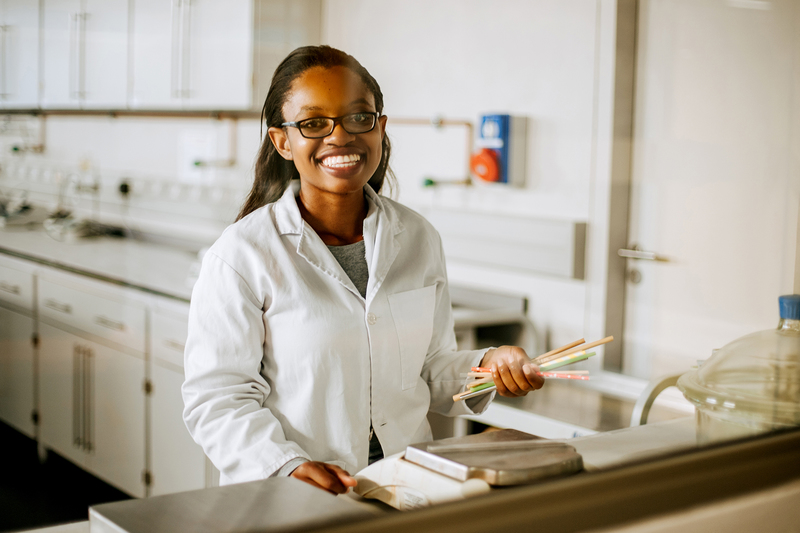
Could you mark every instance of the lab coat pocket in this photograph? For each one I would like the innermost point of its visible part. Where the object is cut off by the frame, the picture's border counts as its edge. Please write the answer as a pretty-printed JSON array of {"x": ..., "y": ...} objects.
[{"x": 412, "y": 312}]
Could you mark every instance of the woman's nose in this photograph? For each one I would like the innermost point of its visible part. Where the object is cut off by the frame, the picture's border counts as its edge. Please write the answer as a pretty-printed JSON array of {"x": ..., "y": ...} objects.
[{"x": 339, "y": 136}]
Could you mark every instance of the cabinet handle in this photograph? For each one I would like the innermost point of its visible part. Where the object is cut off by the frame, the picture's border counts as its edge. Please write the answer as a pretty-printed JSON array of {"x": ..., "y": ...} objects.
[
  {"x": 55, "y": 305},
  {"x": 174, "y": 85},
  {"x": 186, "y": 48},
  {"x": 82, "y": 55},
  {"x": 13, "y": 289},
  {"x": 174, "y": 345},
  {"x": 73, "y": 54},
  {"x": 108, "y": 323},
  {"x": 77, "y": 394},
  {"x": 88, "y": 400},
  {"x": 4, "y": 52}
]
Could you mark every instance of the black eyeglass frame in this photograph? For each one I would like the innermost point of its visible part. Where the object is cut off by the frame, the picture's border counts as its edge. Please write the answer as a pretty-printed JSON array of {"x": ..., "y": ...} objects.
[{"x": 336, "y": 120}]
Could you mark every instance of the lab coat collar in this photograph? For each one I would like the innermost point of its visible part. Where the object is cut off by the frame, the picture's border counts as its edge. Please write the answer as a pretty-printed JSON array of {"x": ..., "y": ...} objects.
[{"x": 381, "y": 227}]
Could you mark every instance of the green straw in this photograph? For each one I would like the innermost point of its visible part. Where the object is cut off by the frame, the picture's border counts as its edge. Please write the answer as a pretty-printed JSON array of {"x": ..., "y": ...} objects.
[
  {"x": 552, "y": 366},
  {"x": 484, "y": 386}
]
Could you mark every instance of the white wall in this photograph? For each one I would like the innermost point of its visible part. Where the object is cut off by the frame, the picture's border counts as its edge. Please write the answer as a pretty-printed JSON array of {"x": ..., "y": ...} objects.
[{"x": 459, "y": 59}]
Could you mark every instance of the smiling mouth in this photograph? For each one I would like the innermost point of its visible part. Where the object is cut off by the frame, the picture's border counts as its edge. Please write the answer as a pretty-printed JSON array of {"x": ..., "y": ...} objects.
[{"x": 341, "y": 161}]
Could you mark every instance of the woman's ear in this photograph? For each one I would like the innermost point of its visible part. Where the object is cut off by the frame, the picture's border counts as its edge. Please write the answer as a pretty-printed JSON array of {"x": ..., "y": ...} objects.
[
  {"x": 382, "y": 121},
  {"x": 281, "y": 142}
]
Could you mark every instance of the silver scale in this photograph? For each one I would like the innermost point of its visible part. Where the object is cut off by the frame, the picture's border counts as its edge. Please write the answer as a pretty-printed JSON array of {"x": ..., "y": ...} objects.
[{"x": 459, "y": 467}]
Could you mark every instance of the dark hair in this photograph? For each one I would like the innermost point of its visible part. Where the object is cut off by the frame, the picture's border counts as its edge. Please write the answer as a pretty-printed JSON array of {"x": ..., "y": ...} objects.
[{"x": 273, "y": 173}]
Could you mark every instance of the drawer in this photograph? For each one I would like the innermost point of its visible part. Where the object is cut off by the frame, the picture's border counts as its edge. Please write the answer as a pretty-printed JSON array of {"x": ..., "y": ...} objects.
[
  {"x": 169, "y": 338},
  {"x": 16, "y": 287},
  {"x": 121, "y": 323}
]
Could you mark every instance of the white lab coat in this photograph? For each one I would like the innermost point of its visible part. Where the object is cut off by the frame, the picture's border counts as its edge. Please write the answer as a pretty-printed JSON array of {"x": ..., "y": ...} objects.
[{"x": 285, "y": 359}]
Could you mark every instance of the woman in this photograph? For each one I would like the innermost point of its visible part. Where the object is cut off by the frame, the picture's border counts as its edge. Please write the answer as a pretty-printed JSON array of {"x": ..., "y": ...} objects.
[{"x": 320, "y": 330}]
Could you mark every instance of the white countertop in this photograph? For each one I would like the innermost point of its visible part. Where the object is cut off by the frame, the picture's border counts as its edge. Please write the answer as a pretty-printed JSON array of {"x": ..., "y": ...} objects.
[{"x": 152, "y": 267}]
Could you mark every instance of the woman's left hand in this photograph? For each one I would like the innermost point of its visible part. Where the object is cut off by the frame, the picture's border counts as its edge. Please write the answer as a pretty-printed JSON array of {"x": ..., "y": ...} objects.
[{"x": 512, "y": 371}]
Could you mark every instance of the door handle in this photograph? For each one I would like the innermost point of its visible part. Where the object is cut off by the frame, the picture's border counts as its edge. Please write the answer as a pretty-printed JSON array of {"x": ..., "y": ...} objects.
[
  {"x": 108, "y": 323},
  {"x": 55, "y": 305},
  {"x": 4, "y": 54},
  {"x": 88, "y": 407},
  {"x": 640, "y": 255},
  {"x": 77, "y": 395},
  {"x": 174, "y": 345},
  {"x": 6, "y": 287}
]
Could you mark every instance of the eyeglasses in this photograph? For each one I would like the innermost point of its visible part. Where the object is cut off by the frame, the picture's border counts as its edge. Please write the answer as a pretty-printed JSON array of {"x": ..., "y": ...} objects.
[{"x": 319, "y": 127}]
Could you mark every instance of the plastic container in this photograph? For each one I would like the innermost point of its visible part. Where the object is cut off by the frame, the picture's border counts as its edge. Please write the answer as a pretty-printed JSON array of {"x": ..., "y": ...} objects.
[{"x": 751, "y": 385}]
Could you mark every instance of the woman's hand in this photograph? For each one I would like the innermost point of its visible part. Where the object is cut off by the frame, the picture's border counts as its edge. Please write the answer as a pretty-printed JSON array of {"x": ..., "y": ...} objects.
[
  {"x": 512, "y": 372},
  {"x": 325, "y": 476}
]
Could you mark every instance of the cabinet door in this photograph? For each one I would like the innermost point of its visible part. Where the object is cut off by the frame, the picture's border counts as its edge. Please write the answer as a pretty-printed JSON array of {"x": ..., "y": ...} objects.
[
  {"x": 105, "y": 31},
  {"x": 116, "y": 421},
  {"x": 178, "y": 463},
  {"x": 192, "y": 54},
  {"x": 60, "y": 400},
  {"x": 155, "y": 54},
  {"x": 19, "y": 49},
  {"x": 16, "y": 371},
  {"x": 85, "y": 53},
  {"x": 218, "y": 55}
]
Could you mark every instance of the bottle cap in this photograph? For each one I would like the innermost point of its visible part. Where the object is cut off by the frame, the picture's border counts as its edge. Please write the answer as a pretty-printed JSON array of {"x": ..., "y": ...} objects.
[{"x": 790, "y": 306}]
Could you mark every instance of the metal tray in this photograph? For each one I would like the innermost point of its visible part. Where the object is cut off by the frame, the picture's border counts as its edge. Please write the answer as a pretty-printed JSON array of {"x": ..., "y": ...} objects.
[{"x": 504, "y": 457}]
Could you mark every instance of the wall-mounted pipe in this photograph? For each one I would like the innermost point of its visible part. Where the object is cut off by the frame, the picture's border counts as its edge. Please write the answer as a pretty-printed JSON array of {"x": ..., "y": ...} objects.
[
  {"x": 233, "y": 127},
  {"x": 441, "y": 122}
]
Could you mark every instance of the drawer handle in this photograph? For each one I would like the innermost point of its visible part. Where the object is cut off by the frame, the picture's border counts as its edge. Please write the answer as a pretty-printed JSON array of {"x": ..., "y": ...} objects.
[
  {"x": 108, "y": 323},
  {"x": 13, "y": 289},
  {"x": 58, "y": 306},
  {"x": 174, "y": 345}
]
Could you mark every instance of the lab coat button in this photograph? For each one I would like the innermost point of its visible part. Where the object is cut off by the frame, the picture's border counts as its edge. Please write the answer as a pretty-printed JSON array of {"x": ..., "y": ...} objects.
[{"x": 371, "y": 319}]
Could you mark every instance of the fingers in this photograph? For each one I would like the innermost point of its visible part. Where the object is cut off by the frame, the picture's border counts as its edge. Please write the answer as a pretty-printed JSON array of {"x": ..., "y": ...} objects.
[
  {"x": 322, "y": 476},
  {"x": 532, "y": 375},
  {"x": 344, "y": 478},
  {"x": 513, "y": 373}
]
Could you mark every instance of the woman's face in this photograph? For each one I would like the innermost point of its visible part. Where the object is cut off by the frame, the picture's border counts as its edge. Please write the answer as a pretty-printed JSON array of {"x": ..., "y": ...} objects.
[{"x": 342, "y": 162}]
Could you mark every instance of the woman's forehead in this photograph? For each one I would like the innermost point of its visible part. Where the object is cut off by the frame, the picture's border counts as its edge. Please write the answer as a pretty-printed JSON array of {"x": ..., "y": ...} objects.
[{"x": 327, "y": 89}]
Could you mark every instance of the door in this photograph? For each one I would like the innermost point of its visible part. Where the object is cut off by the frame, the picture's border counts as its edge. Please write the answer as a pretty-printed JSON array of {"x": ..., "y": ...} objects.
[
  {"x": 178, "y": 463},
  {"x": 16, "y": 371},
  {"x": 715, "y": 182},
  {"x": 192, "y": 54},
  {"x": 61, "y": 402},
  {"x": 85, "y": 53},
  {"x": 155, "y": 61},
  {"x": 19, "y": 54},
  {"x": 216, "y": 54},
  {"x": 116, "y": 418}
]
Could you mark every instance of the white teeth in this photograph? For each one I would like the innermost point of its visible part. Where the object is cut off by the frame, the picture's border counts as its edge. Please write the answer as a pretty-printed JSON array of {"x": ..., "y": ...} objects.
[{"x": 341, "y": 161}]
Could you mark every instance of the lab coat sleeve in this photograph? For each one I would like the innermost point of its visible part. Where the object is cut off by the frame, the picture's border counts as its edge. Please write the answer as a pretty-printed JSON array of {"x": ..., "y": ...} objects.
[
  {"x": 224, "y": 392},
  {"x": 444, "y": 363}
]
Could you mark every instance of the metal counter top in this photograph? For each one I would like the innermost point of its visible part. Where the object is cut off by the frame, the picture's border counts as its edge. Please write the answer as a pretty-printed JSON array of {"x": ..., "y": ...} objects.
[{"x": 150, "y": 267}]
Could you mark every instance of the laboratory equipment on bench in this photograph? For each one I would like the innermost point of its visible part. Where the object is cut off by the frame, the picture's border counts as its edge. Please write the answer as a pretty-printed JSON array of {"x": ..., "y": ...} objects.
[
  {"x": 751, "y": 385},
  {"x": 460, "y": 467},
  {"x": 500, "y": 156}
]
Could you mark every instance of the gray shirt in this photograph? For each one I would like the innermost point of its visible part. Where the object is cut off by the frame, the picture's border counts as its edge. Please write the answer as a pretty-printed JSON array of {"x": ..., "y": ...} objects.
[{"x": 353, "y": 259}]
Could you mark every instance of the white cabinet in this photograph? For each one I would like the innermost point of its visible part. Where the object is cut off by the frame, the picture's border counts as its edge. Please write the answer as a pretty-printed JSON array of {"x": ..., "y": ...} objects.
[
  {"x": 92, "y": 398},
  {"x": 85, "y": 53},
  {"x": 16, "y": 370},
  {"x": 178, "y": 463},
  {"x": 17, "y": 402},
  {"x": 192, "y": 54},
  {"x": 19, "y": 54}
]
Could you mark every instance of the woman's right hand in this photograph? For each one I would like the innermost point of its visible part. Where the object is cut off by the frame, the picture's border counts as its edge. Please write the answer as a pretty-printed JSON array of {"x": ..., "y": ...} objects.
[{"x": 325, "y": 476}]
